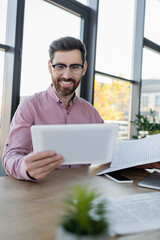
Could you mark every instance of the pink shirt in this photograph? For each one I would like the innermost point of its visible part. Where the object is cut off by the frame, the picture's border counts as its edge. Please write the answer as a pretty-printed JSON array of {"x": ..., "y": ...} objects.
[{"x": 42, "y": 108}]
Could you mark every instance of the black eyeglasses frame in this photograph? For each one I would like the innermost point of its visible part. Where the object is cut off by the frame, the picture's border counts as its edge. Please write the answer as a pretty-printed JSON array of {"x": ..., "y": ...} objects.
[{"x": 71, "y": 65}]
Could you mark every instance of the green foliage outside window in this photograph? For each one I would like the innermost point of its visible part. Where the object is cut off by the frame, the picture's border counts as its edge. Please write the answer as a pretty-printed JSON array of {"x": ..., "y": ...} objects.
[{"x": 146, "y": 125}]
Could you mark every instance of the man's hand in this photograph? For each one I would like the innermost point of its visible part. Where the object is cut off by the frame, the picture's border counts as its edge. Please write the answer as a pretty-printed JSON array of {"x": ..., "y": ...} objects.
[
  {"x": 150, "y": 165},
  {"x": 40, "y": 164}
]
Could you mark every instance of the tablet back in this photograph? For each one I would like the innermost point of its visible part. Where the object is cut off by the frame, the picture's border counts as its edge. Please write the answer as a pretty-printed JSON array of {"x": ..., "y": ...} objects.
[{"x": 77, "y": 143}]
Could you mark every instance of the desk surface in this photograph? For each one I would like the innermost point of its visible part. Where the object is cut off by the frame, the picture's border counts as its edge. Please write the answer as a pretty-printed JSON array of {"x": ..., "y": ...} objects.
[{"x": 30, "y": 210}]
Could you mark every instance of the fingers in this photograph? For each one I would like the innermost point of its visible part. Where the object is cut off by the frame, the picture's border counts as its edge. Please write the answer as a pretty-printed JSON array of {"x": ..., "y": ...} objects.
[
  {"x": 150, "y": 165},
  {"x": 144, "y": 166},
  {"x": 155, "y": 165},
  {"x": 40, "y": 164},
  {"x": 40, "y": 155},
  {"x": 42, "y": 172}
]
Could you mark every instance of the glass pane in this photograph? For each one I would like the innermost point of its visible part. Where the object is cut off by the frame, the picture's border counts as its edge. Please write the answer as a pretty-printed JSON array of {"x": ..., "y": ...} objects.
[
  {"x": 151, "y": 64},
  {"x": 112, "y": 100},
  {"x": 48, "y": 23},
  {"x": 152, "y": 20},
  {"x": 3, "y": 20},
  {"x": 150, "y": 91},
  {"x": 82, "y": 1},
  {"x": 115, "y": 37},
  {"x": 2, "y": 54}
]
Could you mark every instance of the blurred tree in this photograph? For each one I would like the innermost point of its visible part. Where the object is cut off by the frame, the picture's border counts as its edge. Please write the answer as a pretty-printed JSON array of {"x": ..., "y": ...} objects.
[{"x": 112, "y": 99}]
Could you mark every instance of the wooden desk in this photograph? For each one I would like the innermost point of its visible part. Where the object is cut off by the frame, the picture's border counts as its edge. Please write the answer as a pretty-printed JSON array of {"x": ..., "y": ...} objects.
[{"x": 30, "y": 210}]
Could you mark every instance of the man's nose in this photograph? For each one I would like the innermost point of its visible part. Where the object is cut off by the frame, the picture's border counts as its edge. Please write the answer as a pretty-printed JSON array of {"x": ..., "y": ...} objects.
[{"x": 67, "y": 74}]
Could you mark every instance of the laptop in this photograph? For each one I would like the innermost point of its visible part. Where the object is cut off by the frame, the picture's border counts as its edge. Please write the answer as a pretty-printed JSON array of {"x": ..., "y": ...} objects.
[
  {"x": 77, "y": 143},
  {"x": 152, "y": 181}
]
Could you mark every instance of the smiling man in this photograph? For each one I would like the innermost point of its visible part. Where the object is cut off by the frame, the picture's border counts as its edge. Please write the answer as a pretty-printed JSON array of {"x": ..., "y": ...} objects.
[{"x": 57, "y": 105}]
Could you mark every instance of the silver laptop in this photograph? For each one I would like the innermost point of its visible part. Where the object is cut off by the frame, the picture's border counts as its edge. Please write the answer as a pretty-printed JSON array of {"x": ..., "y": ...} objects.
[
  {"x": 77, "y": 143},
  {"x": 152, "y": 181}
]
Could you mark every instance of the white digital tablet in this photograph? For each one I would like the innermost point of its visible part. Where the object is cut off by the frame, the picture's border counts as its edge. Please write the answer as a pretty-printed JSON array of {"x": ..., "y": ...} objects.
[{"x": 77, "y": 143}]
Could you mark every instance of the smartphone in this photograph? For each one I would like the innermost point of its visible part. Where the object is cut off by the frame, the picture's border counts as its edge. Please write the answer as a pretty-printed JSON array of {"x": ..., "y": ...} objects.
[{"x": 115, "y": 176}]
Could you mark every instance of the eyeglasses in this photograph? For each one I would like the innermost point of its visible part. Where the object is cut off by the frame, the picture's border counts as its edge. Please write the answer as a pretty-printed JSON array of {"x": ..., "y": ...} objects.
[{"x": 74, "y": 68}]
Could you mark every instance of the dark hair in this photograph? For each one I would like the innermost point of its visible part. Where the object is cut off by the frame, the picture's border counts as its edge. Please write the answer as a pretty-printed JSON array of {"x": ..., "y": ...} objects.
[{"x": 67, "y": 44}]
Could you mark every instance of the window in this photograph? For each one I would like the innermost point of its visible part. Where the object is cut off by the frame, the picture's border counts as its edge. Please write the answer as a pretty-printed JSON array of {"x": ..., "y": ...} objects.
[
  {"x": 152, "y": 20},
  {"x": 3, "y": 18},
  {"x": 157, "y": 100},
  {"x": 151, "y": 60},
  {"x": 150, "y": 82},
  {"x": 115, "y": 37},
  {"x": 1, "y": 81},
  {"x": 3, "y": 21},
  {"x": 43, "y": 22},
  {"x": 114, "y": 62},
  {"x": 114, "y": 69},
  {"x": 3, "y": 47},
  {"x": 48, "y": 23},
  {"x": 82, "y": 1},
  {"x": 112, "y": 100},
  {"x": 144, "y": 101},
  {"x": 150, "y": 70}
]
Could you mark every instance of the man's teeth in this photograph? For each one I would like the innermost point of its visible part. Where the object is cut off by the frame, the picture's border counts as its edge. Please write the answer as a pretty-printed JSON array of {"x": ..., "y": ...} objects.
[{"x": 66, "y": 82}]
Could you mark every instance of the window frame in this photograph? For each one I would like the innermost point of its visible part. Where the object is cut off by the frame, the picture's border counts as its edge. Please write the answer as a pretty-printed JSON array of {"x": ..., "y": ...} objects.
[
  {"x": 13, "y": 56},
  {"x": 88, "y": 28},
  {"x": 154, "y": 47},
  {"x": 136, "y": 64},
  {"x": 89, "y": 15},
  {"x": 9, "y": 49}
]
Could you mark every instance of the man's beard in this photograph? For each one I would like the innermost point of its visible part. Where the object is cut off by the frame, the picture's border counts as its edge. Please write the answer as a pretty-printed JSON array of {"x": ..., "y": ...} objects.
[{"x": 66, "y": 91}]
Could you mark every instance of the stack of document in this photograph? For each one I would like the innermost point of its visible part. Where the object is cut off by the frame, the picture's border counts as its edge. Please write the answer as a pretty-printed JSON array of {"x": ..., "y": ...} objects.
[
  {"x": 130, "y": 153},
  {"x": 134, "y": 213}
]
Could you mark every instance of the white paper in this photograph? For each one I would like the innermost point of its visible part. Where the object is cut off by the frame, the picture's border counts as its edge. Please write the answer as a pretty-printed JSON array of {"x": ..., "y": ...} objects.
[
  {"x": 134, "y": 213},
  {"x": 130, "y": 153}
]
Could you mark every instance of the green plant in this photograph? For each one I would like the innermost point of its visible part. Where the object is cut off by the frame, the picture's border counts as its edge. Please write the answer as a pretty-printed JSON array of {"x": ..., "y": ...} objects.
[
  {"x": 146, "y": 125},
  {"x": 85, "y": 212}
]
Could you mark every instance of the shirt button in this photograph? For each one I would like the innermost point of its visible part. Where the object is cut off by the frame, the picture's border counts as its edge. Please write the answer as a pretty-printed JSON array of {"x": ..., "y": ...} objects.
[{"x": 67, "y": 113}]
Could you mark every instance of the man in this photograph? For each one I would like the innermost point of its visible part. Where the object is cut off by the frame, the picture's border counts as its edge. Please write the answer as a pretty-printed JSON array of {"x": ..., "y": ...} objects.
[{"x": 57, "y": 105}]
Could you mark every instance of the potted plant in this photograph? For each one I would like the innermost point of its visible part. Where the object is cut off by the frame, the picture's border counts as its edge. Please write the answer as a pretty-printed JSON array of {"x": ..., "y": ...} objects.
[
  {"x": 146, "y": 125},
  {"x": 85, "y": 217}
]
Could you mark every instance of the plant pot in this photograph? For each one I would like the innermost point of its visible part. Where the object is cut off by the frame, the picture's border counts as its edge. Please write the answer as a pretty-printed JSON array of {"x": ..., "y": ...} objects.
[{"x": 62, "y": 234}]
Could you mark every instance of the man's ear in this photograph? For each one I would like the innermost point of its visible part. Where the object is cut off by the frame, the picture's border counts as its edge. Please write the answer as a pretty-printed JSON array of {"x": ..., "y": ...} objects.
[
  {"x": 49, "y": 66},
  {"x": 84, "y": 68}
]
